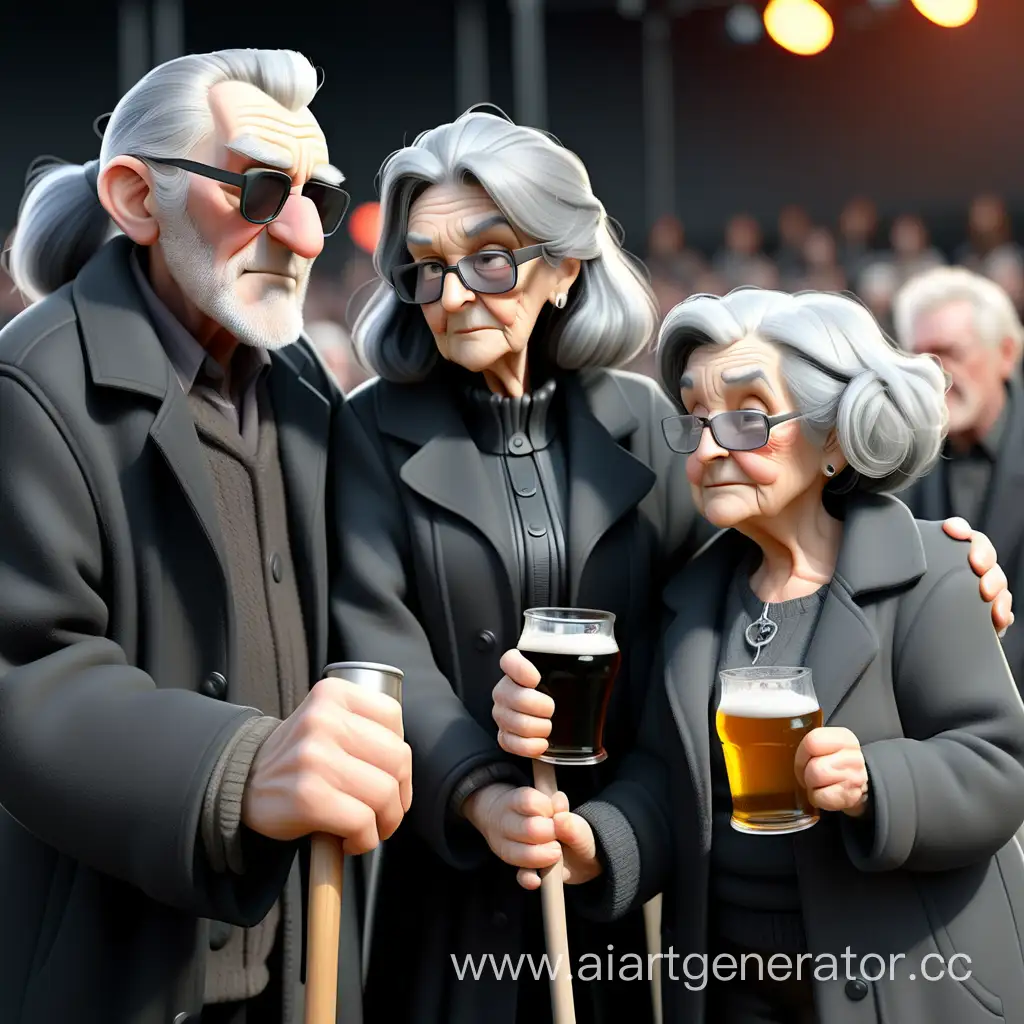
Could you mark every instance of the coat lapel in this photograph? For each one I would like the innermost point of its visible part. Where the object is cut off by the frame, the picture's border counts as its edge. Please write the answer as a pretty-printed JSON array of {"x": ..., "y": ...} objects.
[
  {"x": 691, "y": 650},
  {"x": 447, "y": 470},
  {"x": 124, "y": 352},
  {"x": 605, "y": 480},
  {"x": 303, "y": 418}
]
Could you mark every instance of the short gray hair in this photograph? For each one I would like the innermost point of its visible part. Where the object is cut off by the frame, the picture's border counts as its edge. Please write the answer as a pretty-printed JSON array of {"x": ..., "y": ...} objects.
[
  {"x": 544, "y": 191},
  {"x": 995, "y": 317},
  {"x": 61, "y": 223},
  {"x": 887, "y": 407}
]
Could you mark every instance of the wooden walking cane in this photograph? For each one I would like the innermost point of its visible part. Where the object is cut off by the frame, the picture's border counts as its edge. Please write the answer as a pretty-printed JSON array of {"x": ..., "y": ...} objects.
[
  {"x": 563, "y": 1009},
  {"x": 323, "y": 932},
  {"x": 327, "y": 871}
]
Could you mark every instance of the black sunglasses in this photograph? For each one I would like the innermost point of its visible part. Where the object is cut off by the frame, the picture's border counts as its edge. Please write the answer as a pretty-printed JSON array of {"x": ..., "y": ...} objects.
[
  {"x": 490, "y": 272},
  {"x": 264, "y": 192},
  {"x": 740, "y": 430}
]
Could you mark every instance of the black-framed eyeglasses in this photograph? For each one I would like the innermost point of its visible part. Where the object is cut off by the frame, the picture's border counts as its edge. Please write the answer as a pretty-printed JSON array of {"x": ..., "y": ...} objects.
[
  {"x": 739, "y": 430},
  {"x": 264, "y": 192},
  {"x": 489, "y": 272}
]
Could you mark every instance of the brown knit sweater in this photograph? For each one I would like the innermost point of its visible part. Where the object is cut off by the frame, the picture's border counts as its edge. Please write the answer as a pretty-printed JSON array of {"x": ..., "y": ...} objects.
[{"x": 272, "y": 659}]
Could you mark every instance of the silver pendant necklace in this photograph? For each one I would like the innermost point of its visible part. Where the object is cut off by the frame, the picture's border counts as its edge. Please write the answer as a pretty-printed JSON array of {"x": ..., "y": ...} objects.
[{"x": 761, "y": 632}]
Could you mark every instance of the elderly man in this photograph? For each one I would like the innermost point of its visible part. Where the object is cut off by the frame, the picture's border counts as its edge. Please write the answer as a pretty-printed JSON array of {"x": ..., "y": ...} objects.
[
  {"x": 164, "y": 435},
  {"x": 970, "y": 323}
]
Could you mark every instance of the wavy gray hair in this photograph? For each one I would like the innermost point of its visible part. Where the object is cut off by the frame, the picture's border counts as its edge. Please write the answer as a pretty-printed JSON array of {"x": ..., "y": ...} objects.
[
  {"x": 61, "y": 223},
  {"x": 995, "y": 317},
  {"x": 887, "y": 407},
  {"x": 544, "y": 191}
]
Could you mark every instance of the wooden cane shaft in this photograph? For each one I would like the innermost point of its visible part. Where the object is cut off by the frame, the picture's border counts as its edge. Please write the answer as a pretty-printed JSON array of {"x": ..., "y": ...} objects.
[
  {"x": 323, "y": 935},
  {"x": 563, "y": 1009}
]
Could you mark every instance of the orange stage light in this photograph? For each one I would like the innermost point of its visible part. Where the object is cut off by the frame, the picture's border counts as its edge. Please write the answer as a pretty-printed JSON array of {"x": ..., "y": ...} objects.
[
  {"x": 800, "y": 26},
  {"x": 947, "y": 13}
]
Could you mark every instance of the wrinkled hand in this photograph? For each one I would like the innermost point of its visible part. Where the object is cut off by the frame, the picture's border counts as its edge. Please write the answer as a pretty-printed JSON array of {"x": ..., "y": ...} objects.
[
  {"x": 523, "y": 715},
  {"x": 524, "y": 828},
  {"x": 516, "y": 822},
  {"x": 338, "y": 764},
  {"x": 830, "y": 766},
  {"x": 983, "y": 560}
]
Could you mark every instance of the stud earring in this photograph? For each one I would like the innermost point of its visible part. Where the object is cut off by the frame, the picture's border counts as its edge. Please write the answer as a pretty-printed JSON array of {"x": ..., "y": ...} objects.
[
  {"x": 560, "y": 300},
  {"x": 830, "y": 470}
]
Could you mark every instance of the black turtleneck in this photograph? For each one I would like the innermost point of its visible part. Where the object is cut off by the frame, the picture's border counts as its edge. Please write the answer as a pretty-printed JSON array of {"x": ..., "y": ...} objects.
[{"x": 520, "y": 440}]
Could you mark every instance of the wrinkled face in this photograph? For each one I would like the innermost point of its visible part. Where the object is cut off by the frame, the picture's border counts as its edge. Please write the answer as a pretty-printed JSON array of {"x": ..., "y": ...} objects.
[
  {"x": 729, "y": 487},
  {"x": 249, "y": 278},
  {"x": 473, "y": 329},
  {"x": 977, "y": 370}
]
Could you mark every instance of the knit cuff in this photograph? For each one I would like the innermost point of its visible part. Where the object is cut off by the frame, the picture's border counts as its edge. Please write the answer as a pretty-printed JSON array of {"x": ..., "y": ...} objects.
[
  {"x": 609, "y": 896},
  {"x": 222, "y": 805},
  {"x": 477, "y": 778}
]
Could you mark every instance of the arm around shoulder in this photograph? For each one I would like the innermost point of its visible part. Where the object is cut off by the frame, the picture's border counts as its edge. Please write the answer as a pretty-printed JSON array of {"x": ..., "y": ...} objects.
[{"x": 950, "y": 792}]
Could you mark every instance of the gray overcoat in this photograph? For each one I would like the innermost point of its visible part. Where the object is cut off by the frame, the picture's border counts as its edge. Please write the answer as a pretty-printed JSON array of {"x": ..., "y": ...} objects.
[
  {"x": 905, "y": 656},
  {"x": 118, "y": 655}
]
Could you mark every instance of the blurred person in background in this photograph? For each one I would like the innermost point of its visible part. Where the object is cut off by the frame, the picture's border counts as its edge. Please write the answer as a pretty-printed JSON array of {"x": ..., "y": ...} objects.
[
  {"x": 822, "y": 272},
  {"x": 970, "y": 323},
  {"x": 1005, "y": 266},
  {"x": 858, "y": 236},
  {"x": 668, "y": 255},
  {"x": 876, "y": 287},
  {"x": 742, "y": 260},
  {"x": 989, "y": 231},
  {"x": 912, "y": 251},
  {"x": 790, "y": 257}
]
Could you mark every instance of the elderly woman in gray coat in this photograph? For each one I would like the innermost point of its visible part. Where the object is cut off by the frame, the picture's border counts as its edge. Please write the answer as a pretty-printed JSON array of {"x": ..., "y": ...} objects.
[{"x": 905, "y": 901}]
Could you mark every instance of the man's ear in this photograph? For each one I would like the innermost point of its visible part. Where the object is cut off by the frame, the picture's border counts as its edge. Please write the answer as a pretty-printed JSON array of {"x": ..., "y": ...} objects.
[{"x": 125, "y": 188}]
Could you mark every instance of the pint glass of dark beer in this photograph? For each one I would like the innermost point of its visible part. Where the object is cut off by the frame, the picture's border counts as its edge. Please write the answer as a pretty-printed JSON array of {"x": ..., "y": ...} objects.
[
  {"x": 576, "y": 654},
  {"x": 763, "y": 714}
]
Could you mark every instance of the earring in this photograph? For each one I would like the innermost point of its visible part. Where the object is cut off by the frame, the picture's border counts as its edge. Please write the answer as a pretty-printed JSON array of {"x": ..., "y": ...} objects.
[
  {"x": 830, "y": 470},
  {"x": 560, "y": 300}
]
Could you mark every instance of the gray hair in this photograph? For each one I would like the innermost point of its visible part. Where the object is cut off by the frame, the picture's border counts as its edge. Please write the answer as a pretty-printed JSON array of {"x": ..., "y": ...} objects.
[
  {"x": 887, "y": 407},
  {"x": 61, "y": 223},
  {"x": 995, "y": 317},
  {"x": 544, "y": 191}
]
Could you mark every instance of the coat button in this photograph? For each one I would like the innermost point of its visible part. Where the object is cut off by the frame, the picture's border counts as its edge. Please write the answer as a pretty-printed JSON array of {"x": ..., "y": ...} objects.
[
  {"x": 499, "y": 919},
  {"x": 485, "y": 640},
  {"x": 215, "y": 686},
  {"x": 187, "y": 1018},
  {"x": 856, "y": 989},
  {"x": 536, "y": 530},
  {"x": 220, "y": 932},
  {"x": 276, "y": 569}
]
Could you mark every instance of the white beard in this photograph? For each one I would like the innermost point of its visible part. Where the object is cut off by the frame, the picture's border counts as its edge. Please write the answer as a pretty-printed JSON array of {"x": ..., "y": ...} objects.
[{"x": 272, "y": 323}]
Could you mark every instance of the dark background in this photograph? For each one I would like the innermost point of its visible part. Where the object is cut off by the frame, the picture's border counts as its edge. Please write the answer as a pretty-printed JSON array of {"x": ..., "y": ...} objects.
[{"x": 918, "y": 117}]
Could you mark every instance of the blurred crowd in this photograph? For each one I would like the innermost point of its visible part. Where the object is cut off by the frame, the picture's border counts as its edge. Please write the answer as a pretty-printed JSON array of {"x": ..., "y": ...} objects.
[{"x": 858, "y": 254}]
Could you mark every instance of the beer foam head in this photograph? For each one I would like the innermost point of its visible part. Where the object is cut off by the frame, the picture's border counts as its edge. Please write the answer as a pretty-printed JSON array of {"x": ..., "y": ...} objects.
[
  {"x": 566, "y": 643},
  {"x": 767, "y": 704}
]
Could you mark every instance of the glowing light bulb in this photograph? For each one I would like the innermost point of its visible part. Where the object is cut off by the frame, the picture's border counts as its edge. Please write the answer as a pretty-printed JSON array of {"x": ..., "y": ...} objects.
[
  {"x": 800, "y": 26},
  {"x": 947, "y": 13}
]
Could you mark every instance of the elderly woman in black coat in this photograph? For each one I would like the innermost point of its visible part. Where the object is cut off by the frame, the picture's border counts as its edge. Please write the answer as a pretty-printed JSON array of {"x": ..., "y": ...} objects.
[
  {"x": 903, "y": 901},
  {"x": 499, "y": 462}
]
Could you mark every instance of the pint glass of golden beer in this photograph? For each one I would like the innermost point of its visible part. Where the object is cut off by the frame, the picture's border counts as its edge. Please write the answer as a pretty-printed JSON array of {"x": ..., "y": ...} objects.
[{"x": 763, "y": 714}]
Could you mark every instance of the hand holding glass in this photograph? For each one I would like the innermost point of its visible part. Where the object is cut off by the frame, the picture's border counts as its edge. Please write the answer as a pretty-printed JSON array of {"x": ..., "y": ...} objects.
[
  {"x": 763, "y": 715},
  {"x": 576, "y": 654}
]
